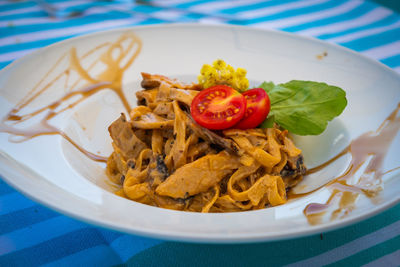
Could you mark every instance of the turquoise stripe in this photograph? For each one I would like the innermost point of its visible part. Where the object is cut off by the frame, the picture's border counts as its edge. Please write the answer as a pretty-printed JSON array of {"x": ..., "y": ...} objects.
[
  {"x": 375, "y": 40},
  {"x": 271, "y": 253},
  {"x": 14, "y": 202},
  {"x": 192, "y": 4},
  {"x": 350, "y": 15},
  {"x": 34, "y": 14},
  {"x": 97, "y": 256},
  {"x": 383, "y": 22},
  {"x": 393, "y": 61},
  {"x": 3, "y": 65},
  {"x": 36, "y": 44},
  {"x": 296, "y": 12},
  {"x": 234, "y": 10},
  {"x": 58, "y": 248},
  {"x": 37, "y": 233},
  {"x": 17, "y": 5},
  {"x": 147, "y": 9},
  {"x": 370, "y": 254}
]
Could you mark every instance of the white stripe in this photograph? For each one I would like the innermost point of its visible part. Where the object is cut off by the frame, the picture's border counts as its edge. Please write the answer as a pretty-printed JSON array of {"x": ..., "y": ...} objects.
[
  {"x": 390, "y": 260},
  {"x": 370, "y": 17},
  {"x": 383, "y": 51},
  {"x": 27, "y": 21},
  {"x": 5, "y": 3},
  {"x": 41, "y": 20},
  {"x": 168, "y": 14},
  {"x": 219, "y": 5},
  {"x": 6, "y": 57},
  {"x": 211, "y": 21},
  {"x": 261, "y": 12},
  {"x": 54, "y": 33},
  {"x": 297, "y": 20},
  {"x": 353, "y": 247},
  {"x": 20, "y": 11},
  {"x": 171, "y": 2},
  {"x": 397, "y": 69},
  {"x": 37, "y": 8},
  {"x": 361, "y": 34}
]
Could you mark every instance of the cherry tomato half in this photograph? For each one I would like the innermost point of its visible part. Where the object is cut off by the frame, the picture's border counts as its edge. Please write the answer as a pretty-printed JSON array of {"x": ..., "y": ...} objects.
[
  {"x": 218, "y": 107},
  {"x": 257, "y": 108}
]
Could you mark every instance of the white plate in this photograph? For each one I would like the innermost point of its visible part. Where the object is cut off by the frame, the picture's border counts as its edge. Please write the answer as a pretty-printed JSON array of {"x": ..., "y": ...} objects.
[{"x": 52, "y": 172}]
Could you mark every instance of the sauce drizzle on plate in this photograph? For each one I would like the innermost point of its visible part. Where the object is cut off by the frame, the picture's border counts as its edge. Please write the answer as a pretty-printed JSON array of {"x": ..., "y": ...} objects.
[
  {"x": 362, "y": 176},
  {"x": 117, "y": 58}
]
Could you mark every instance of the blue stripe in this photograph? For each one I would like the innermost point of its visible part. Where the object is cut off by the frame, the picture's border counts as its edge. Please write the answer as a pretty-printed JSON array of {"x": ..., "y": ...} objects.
[
  {"x": 373, "y": 40},
  {"x": 147, "y": 9},
  {"x": 56, "y": 248},
  {"x": 350, "y": 15},
  {"x": 17, "y": 5},
  {"x": 97, "y": 256},
  {"x": 383, "y": 22},
  {"x": 234, "y": 10},
  {"x": 13, "y": 202},
  {"x": 23, "y": 218},
  {"x": 34, "y": 44},
  {"x": 37, "y": 233},
  {"x": 5, "y": 188},
  {"x": 109, "y": 235},
  {"x": 393, "y": 61},
  {"x": 128, "y": 245},
  {"x": 296, "y": 12},
  {"x": 3, "y": 65},
  {"x": 191, "y": 4},
  {"x": 33, "y": 14}
]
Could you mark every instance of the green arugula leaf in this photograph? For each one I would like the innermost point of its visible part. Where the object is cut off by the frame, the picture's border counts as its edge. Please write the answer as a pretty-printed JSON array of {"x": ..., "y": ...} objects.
[{"x": 304, "y": 107}]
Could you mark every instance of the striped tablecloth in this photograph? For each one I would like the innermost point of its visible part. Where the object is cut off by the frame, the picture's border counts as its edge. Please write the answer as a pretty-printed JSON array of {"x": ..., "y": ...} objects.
[{"x": 31, "y": 234}]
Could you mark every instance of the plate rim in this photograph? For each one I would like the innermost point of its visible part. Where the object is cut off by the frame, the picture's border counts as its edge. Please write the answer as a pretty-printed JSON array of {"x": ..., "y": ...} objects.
[{"x": 186, "y": 236}]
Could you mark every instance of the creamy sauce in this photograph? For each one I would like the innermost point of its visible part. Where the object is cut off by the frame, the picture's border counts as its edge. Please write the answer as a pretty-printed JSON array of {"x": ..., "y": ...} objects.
[
  {"x": 117, "y": 58},
  {"x": 362, "y": 176}
]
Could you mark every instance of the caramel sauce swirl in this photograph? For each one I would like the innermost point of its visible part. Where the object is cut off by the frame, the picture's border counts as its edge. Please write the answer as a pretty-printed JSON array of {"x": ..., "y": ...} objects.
[
  {"x": 367, "y": 152},
  {"x": 117, "y": 58}
]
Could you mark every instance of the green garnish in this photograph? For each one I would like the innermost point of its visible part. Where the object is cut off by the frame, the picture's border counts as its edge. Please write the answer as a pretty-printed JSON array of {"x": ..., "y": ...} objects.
[{"x": 303, "y": 107}]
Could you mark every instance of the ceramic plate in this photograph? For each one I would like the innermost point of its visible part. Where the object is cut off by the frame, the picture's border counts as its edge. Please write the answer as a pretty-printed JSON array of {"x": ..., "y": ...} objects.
[{"x": 53, "y": 172}]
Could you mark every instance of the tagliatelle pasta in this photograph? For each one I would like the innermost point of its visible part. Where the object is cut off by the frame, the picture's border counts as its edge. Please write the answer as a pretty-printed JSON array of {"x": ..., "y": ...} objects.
[{"x": 163, "y": 158}]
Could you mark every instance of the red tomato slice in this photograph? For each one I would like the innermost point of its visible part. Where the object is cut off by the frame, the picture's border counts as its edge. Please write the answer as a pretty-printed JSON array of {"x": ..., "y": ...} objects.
[
  {"x": 258, "y": 106},
  {"x": 218, "y": 107}
]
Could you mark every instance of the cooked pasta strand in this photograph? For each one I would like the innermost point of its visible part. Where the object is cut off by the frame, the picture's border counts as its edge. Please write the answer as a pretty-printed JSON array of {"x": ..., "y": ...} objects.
[{"x": 162, "y": 157}]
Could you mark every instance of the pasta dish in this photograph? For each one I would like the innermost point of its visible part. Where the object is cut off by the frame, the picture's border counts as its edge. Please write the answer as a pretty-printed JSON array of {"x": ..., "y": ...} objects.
[{"x": 163, "y": 157}]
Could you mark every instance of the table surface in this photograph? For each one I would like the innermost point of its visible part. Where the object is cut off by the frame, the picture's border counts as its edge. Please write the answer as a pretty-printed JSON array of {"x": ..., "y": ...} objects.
[{"x": 31, "y": 234}]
